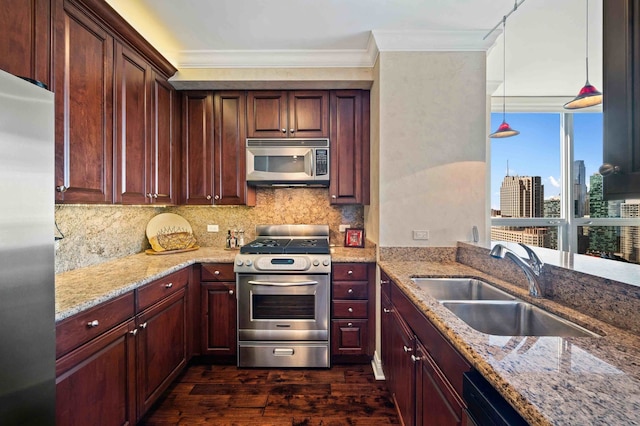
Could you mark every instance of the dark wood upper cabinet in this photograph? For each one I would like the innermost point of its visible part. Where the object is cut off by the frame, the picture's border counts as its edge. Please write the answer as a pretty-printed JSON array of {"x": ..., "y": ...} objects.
[
  {"x": 163, "y": 170},
  {"x": 621, "y": 101},
  {"x": 132, "y": 94},
  {"x": 83, "y": 86},
  {"x": 197, "y": 148},
  {"x": 26, "y": 38},
  {"x": 349, "y": 147},
  {"x": 281, "y": 114}
]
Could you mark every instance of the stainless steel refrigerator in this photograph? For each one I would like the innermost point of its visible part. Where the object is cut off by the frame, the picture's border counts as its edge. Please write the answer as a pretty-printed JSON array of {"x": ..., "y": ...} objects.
[{"x": 27, "y": 278}]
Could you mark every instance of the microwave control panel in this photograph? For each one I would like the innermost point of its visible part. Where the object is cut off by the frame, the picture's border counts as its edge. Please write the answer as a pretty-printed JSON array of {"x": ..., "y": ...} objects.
[{"x": 322, "y": 155}]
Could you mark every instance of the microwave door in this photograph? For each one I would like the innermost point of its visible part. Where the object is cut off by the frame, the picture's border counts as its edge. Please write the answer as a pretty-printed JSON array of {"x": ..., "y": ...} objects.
[{"x": 287, "y": 164}]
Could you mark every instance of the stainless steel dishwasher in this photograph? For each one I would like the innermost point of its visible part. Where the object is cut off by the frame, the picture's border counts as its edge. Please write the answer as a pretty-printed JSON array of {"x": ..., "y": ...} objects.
[{"x": 485, "y": 405}]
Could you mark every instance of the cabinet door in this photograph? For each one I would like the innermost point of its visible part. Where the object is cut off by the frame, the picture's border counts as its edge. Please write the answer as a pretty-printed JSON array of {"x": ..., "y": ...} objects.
[
  {"x": 83, "y": 86},
  {"x": 436, "y": 401},
  {"x": 621, "y": 101},
  {"x": 349, "y": 157},
  {"x": 386, "y": 324},
  {"x": 219, "y": 318},
  {"x": 350, "y": 337},
  {"x": 162, "y": 347},
  {"x": 132, "y": 128},
  {"x": 164, "y": 141},
  {"x": 25, "y": 42},
  {"x": 95, "y": 383},
  {"x": 267, "y": 114},
  {"x": 308, "y": 114},
  {"x": 197, "y": 145},
  {"x": 229, "y": 148},
  {"x": 403, "y": 383}
]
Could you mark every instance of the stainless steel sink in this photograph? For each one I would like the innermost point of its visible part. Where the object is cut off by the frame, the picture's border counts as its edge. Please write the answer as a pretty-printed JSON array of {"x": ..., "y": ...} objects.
[
  {"x": 460, "y": 289},
  {"x": 514, "y": 318}
]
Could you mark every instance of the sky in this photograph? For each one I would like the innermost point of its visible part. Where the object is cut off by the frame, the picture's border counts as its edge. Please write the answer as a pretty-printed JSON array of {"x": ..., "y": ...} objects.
[{"x": 536, "y": 150}]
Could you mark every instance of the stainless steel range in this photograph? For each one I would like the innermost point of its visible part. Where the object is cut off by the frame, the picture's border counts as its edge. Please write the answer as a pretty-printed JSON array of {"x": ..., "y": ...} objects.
[{"x": 283, "y": 285}]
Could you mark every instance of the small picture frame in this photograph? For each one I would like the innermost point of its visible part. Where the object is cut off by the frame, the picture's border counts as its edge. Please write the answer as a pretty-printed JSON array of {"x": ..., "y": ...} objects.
[{"x": 354, "y": 237}]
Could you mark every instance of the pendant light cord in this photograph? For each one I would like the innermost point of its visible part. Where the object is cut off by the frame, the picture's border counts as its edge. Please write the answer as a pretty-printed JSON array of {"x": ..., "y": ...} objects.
[
  {"x": 504, "y": 66},
  {"x": 586, "y": 54}
]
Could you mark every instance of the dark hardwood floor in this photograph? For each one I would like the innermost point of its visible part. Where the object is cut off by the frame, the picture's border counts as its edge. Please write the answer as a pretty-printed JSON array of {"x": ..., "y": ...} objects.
[{"x": 227, "y": 395}]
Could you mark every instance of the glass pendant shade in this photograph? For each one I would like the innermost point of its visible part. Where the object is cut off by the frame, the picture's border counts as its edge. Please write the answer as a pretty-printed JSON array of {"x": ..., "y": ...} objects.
[
  {"x": 504, "y": 131},
  {"x": 588, "y": 96}
]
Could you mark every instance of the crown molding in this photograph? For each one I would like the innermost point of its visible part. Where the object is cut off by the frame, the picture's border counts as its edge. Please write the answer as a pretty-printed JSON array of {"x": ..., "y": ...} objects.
[
  {"x": 536, "y": 104},
  {"x": 433, "y": 41},
  {"x": 379, "y": 40}
]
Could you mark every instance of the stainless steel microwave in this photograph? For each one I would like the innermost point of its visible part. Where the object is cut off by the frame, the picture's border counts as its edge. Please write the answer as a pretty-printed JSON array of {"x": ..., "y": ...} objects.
[{"x": 288, "y": 162}]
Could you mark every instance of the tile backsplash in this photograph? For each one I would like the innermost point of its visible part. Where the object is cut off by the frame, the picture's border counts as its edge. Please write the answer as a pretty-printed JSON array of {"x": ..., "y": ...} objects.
[{"x": 98, "y": 233}]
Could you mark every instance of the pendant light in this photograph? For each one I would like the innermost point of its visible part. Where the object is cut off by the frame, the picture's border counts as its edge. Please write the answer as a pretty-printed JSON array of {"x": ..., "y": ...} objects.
[
  {"x": 504, "y": 130},
  {"x": 589, "y": 95}
]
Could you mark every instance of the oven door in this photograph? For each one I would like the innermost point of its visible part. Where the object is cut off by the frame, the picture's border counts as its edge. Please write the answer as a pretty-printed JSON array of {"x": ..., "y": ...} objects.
[{"x": 283, "y": 307}]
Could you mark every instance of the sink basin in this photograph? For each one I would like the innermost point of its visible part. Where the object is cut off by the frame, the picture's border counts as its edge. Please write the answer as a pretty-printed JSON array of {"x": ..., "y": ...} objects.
[
  {"x": 460, "y": 289},
  {"x": 514, "y": 318}
]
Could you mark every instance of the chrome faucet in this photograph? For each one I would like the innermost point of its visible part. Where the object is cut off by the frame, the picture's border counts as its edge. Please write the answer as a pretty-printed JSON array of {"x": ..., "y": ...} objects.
[{"x": 531, "y": 266}]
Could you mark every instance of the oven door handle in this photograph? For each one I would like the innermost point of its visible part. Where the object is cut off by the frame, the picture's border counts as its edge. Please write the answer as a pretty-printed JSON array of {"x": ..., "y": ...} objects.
[{"x": 283, "y": 284}]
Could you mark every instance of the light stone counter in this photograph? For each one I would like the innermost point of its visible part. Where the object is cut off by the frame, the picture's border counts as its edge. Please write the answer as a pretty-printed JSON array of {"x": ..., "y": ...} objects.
[
  {"x": 549, "y": 380},
  {"x": 80, "y": 289}
]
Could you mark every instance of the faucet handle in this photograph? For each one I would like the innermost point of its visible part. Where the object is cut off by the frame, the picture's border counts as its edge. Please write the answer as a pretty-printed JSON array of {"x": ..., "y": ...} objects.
[{"x": 535, "y": 261}]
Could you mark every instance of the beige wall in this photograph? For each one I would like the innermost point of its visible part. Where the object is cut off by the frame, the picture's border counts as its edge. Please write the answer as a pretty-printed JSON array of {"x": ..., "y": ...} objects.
[
  {"x": 432, "y": 146},
  {"x": 372, "y": 211}
]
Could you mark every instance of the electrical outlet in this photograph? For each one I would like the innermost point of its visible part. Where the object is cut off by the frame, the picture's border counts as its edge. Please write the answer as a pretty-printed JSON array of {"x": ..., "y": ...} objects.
[
  {"x": 421, "y": 235},
  {"x": 343, "y": 228},
  {"x": 212, "y": 228}
]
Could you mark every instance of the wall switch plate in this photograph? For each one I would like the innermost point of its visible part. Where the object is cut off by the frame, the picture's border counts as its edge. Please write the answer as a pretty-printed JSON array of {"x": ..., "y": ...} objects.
[
  {"x": 343, "y": 228},
  {"x": 421, "y": 235},
  {"x": 212, "y": 228}
]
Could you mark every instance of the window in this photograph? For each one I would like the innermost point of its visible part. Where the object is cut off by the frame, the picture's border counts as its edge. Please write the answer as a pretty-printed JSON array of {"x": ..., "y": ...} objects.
[{"x": 546, "y": 190}]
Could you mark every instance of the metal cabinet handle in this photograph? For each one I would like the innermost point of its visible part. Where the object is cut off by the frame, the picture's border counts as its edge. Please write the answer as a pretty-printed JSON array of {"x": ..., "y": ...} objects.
[
  {"x": 143, "y": 325},
  {"x": 384, "y": 282},
  {"x": 284, "y": 130},
  {"x": 350, "y": 273},
  {"x": 291, "y": 130},
  {"x": 134, "y": 332},
  {"x": 155, "y": 195},
  {"x": 93, "y": 323},
  {"x": 168, "y": 285},
  {"x": 350, "y": 309},
  {"x": 350, "y": 291},
  {"x": 609, "y": 169},
  {"x": 415, "y": 358},
  {"x": 216, "y": 272},
  {"x": 61, "y": 188},
  {"x": 334, "y": 197},
  {"x": 149, "y": 195},
  {"x": 230, "y": 291},
  {"x": 208, "y": 197},
  {"x": 406, "y": 348},
  {"x": 217, "y": 197},
  {"x": 349, "y": 324},
  {"x": 386, "y": 311}
]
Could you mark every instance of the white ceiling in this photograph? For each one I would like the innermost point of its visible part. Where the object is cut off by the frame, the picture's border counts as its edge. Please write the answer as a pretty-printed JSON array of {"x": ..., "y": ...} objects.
[{"x": 545, "y": 38}]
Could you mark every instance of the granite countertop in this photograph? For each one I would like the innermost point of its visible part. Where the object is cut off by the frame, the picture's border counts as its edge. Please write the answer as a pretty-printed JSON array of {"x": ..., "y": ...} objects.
[
  {"x": 83, "y": 288},
  {"x": 549, "y": 380}
]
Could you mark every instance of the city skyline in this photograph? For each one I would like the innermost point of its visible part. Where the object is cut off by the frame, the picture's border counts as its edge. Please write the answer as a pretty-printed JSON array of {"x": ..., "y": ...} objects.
[{"x": 536, "y": 150}]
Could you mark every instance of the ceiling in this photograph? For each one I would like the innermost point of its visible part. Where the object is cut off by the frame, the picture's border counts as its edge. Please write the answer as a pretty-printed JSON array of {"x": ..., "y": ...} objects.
[{"x": 545, "y": 38}]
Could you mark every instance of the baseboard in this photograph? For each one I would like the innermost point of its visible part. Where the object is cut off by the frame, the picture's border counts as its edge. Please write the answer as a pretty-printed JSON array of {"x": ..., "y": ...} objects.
[{"x": 376, "y": 365}]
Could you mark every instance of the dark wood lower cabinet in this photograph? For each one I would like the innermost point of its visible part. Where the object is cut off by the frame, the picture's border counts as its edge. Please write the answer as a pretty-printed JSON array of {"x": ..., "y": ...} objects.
[
  {"x": 95, "y": 383},
  {"x": 423, "y": 372},
  {"x": 162, "y": 347},
  {"x": 219, "y": 319}
]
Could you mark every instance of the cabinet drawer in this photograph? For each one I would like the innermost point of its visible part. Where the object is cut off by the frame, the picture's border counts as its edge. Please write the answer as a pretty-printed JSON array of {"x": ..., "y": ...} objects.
[
  {"x": 350, "y": 290},
  {"x": 78, "y": 329},
  {"x": 350, "y": 271},
  {"x": 350, "y": 308},
  {"x": 155, "y": 291},
  {"x": 217, "y": 272}
]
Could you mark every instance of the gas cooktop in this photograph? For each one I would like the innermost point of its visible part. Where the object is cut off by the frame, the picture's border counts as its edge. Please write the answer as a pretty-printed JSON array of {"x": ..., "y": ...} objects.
[{"x": 289, "y": 239}]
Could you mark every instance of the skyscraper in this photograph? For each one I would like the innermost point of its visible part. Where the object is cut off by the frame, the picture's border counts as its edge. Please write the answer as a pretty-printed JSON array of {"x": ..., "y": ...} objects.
[
  {"x": 521, "y": 196},
  {"x": 579, "y": 188},
  {"x": 602, "y": 238},
  {"x": 630, "y": 235}
]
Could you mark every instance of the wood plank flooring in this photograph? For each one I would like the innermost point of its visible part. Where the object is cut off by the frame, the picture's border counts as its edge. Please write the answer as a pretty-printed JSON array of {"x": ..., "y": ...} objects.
[{"x": 227, "y": 395}]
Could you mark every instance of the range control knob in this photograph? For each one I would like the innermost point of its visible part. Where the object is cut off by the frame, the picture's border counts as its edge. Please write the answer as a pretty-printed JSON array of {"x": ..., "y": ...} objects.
[
  {"x": 315, "y": 262},
  {"x": 326, "y": 262},
  {"x": 248, "y": 262},
  {"x": 239, "y": 262}
]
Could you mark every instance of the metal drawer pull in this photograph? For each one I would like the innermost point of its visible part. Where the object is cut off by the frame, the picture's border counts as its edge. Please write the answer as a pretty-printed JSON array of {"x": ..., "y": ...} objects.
[
  {"x": 350, "y": 291},
  {"x": 216, "y": 272},
  {"x": 350, "y": 272},
  {"x": 169, "y": 285},
  {"x": 93, "y": 323},
  {"x": 349, "y": 324},
  {"x": 384, "y": 281},
  {"x": 350, "y": 309},
  {"x": 143, "y": 325},
  {"x": 230, "y": 291},
  {"x": 385, "y": 310},
  {"x": 406, "y": 349},
  {"x": 415, "y": 358},
  {"x": 134, "y": 332},
  {"x": 283, "y": 351}
]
